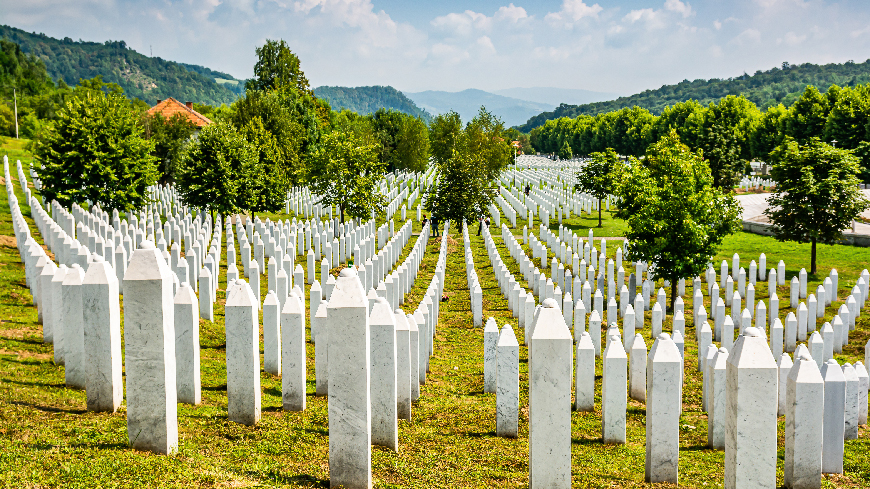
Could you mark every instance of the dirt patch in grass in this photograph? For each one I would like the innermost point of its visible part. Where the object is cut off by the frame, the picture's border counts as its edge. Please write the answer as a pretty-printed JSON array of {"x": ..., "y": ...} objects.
[
  {"x": 9, "y": 241},
  {"x": 27, "y": 354}
]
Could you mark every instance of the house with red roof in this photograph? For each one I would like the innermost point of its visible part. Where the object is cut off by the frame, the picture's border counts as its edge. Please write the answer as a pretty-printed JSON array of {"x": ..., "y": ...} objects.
[{"x": 169, "y": 107}]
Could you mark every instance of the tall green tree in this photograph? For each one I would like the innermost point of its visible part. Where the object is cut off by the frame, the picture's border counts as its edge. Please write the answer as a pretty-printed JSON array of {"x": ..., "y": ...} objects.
[
  {"x": 95, "y": 150},
  {"x": 468, "y": 160},
  {"x": 169, "y": 136},
  {"x": 277, "y": 67},
  {"x": 807, "y": 116},
  {"x": 412, "y": 150},
  {"x": 816, "y": 195},
  {"x": 444, "y": 131},
  {"x": 767, "y": 133},
  {"x": 597, "y": 177},
  {"x": 676, "y": 217},
  {"x": 565, "y": 152},
  {"x": 214, "y": 167},
  {"x": 722, "y": 131},
  {"x": 344, "y": 171}
]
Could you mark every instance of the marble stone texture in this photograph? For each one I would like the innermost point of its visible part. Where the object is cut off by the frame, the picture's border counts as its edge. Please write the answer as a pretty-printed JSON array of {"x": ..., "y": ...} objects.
[
  {"x": 72, "y": 324},
  {"x": 243, "y": 355},
  {"x": 584, "y": 387},
  {"x": 853, "y": 397},
  {"x": 507, "y": 402},
  {"x": 490, "y": 348},
  {"x": 750, "y": 424},
  {"x": 784, "y": 364},
  {"x": 101, "y": 313},
  {"x": 403, "y": 367},
  {"x": 834, "y": 418},
  {"x": 415, "y": 355},
  {"x": 550, "y": 376},
  {"x": 716, "y": 405},
  {"x": 803, "y": 431},
  {"x": 149, "y": 344},
  {"x": 385, "y": 427},
  {"x": 293, "y": 359},
  {"x": 613, "y": 392},
  {"x": 272, "y": 333},
  {"x": 637, "y": 381},
  {"x": 321, "y": 351},
  {"x": 664, "y": 366},
  {"x": 350, "y": 417},
  {"x": 187, "y": 372}
]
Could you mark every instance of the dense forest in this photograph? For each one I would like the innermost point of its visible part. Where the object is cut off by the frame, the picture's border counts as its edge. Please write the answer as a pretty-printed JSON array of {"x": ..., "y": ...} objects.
[
  {"x": 140, "y": 76},
  {"x": 764, "y": 88},
  {"x": 367, "y": 100}
]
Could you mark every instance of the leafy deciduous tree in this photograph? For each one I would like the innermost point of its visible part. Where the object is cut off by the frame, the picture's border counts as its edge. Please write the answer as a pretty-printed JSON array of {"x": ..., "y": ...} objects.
[
  {"x": 816, "y": 195},
  {"x": 214, "y": 167},
  {"x": 95, "y": 150},
  {"x": 676, "y": 217},
  {"x": 345, "y": 171},
  {"x": 169, "y": 136},
  {"x": 597, "y": 177}
]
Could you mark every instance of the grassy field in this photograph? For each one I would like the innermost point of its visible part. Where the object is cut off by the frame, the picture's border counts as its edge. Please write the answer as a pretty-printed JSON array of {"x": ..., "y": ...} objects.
[{"x": 50, "y": 440}]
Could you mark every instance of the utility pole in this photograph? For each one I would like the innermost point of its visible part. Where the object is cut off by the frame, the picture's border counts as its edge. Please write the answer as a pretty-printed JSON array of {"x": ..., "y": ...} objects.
[{"x": 15, "y": 102}]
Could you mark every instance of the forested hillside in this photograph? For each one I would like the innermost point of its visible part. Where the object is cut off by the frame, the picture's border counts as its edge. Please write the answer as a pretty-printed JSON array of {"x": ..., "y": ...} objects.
[
  {"x": 766, "y": 89},
  {"x": 140, "y": 76},
  {"x": 367, "y": 100}
]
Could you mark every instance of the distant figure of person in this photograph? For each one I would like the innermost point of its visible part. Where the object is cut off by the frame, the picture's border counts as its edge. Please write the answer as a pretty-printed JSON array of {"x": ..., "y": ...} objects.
[
  {"x": 425, "y": 220},
  {"x": 480, "y": 224},
  {"x": 434, "y": 223},
  {"x": 528, "y": 189}
]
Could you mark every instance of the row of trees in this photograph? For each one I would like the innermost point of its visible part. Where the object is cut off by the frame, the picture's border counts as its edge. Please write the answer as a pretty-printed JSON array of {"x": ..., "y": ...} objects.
[
  {"x": 677, "y": 218},
  {"x": 728, "y": 133},
  {"x": 102, "y": 147}
]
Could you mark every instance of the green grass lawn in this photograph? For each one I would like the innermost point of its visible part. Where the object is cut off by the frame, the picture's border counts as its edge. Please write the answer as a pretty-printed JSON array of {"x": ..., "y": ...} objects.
[{"x": 50, "y": 440}]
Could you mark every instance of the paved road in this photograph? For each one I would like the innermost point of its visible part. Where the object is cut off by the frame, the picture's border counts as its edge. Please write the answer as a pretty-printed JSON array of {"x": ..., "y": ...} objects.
[{"x": 755, "y": 204}]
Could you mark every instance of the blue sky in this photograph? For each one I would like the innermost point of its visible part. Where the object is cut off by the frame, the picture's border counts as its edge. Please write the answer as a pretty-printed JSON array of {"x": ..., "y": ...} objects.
[{"x": 609, "y": 46}]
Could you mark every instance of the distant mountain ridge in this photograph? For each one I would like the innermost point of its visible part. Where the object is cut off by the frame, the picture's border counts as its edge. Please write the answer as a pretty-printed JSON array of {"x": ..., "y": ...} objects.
[
  {"x": 553, "y": 96},
  {"x": 468, "y": 102},
  {"x": 366, "y": 100},
  {"x": 143, "y": 77},
  {"x": 764, "y": 88}
]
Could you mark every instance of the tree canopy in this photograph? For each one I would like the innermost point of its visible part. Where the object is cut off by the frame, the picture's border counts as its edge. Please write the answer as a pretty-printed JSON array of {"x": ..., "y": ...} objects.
[
  {"x": 344, "y": 171},
  {"x": 213, "y": 171},
  {"x": 597, "y": 177},
  {"x": 468, "y": 161},
  {"x": 95, "y": 150},
  {"x": 816, "y": 195},
  {"x": 676, "y": 217}
]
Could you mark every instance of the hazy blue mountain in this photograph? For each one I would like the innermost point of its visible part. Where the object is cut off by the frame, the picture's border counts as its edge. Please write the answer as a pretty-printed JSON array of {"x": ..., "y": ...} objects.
[
  {"x": 555, "y": 96},
  {"x": 511, "y": 110}
]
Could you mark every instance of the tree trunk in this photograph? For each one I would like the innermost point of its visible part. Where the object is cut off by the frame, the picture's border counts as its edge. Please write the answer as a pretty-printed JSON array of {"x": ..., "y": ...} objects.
[
  {"x": 599, "y": 212},
  {"x": 341, "y": 212},
  {"x": 813, "y": 258},
  {"x": 673, "y": 300}
]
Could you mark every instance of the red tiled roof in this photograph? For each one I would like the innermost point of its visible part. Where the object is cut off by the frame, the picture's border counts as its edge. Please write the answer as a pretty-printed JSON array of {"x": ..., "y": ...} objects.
[{"x": 170, "y": 107}]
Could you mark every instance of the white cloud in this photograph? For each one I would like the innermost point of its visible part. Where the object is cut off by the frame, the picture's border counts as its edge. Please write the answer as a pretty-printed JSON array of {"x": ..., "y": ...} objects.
[
  {"x": 574, "y": 10},
  {"x": 463, "y": 23},
  {"x": 679, "y": 7},
  {"x": 581, "y": 44},
  {"x": 511, "y": 13}
]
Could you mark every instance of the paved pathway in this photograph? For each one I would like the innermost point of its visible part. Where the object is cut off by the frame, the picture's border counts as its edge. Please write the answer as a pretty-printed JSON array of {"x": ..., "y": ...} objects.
[{"x": 755, "y": 204}]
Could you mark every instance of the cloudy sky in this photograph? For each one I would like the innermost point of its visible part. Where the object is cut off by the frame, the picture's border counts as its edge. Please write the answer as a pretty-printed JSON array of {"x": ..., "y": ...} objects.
[{"x": 606, "y": 45}]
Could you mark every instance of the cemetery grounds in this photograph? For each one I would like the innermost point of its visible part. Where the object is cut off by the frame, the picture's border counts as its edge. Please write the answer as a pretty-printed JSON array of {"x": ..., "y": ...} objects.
[{"x": 48, "y": 439}]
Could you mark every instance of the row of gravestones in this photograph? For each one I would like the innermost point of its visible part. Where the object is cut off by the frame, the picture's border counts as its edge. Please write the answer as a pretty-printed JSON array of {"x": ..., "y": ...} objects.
[
  {"x": 149, "y": 313},
  {"x": 844, "y": 404},
  {"x": 847, "y": 415}
]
